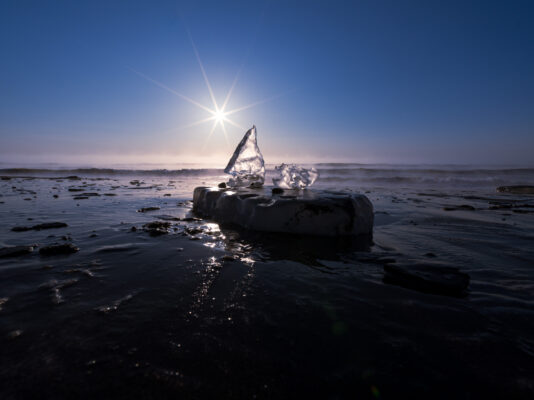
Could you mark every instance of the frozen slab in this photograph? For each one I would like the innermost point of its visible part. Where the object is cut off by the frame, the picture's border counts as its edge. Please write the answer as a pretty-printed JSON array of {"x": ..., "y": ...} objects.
[
  {"x": 246, "y": 165},
  {"x": 292, "y": 176},
  {"x": 308, "y": 212}
]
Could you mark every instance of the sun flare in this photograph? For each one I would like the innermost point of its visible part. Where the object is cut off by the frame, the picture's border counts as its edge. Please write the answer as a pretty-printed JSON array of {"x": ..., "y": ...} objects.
[{"x": 219, "y": 115}]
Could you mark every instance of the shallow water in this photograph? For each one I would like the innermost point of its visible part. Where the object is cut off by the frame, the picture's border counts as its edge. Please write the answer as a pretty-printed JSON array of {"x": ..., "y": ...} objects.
[{"x": 205, "y": 311}]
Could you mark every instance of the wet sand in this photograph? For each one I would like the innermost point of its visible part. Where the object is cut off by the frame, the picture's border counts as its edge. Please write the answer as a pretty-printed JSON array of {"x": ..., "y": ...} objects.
[{"x": 156, "y": 303}]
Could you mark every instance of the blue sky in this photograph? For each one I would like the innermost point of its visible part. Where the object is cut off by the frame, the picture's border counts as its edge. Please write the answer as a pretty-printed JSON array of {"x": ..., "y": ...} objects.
[{"x": 365, "y": 81}]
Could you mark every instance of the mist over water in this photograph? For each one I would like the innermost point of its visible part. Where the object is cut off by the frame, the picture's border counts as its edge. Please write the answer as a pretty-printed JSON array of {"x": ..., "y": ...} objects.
[{"x": 331, "y": 174}]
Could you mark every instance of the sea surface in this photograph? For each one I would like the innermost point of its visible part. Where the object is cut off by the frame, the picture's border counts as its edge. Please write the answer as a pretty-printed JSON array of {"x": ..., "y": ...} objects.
[{"x": 204, "y": 311}]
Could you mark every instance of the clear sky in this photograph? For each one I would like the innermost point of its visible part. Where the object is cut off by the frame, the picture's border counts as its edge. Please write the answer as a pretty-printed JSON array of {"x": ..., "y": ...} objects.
[{"x": 363, "y": 81}]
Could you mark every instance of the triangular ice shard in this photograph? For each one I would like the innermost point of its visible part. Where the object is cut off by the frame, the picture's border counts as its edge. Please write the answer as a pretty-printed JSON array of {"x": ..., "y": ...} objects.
[{"x": 246, "y": 165}]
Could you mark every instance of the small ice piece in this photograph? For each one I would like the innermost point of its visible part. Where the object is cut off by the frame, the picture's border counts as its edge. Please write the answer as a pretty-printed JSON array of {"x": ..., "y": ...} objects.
[
  {"x": 294, "y": 177},
  {"x": 246, "y": 165}
]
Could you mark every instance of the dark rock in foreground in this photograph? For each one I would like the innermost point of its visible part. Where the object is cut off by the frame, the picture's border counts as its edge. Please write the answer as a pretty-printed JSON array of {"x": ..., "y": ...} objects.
[
  {"x": 464, "y": 207},
  {"x": 428, "y": 278},
  {"x": 307, "y": 212},
  {"x": 157, "y": 228},
  {"x": 518, "y": 189},
  {"x": 38, "y": 227},
  {"x": 145, "y": 209},
  {"x": 57, "y": 249},
  {"x": 15, "y": 251}
]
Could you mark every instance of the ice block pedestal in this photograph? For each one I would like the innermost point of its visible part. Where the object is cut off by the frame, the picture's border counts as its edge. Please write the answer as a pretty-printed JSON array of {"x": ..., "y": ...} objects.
[{"x": 308, "y": 212}]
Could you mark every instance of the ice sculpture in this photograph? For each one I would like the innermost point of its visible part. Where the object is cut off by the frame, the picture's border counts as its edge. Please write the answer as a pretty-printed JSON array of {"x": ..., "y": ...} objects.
[
  {"x": 294, "y": 177},
  {"x": 246, "y": 165}
]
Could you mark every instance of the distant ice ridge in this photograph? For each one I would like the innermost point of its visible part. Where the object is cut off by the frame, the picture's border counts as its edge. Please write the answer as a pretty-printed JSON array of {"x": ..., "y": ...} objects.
[
  {"x": 246, "y": 165},
  {"x": 294, "y": 177}
]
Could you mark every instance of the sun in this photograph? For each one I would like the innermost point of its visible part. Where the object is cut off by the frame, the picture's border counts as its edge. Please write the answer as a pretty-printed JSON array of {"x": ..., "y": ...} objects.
[
  {"x": 218, "y": 113},
  {"x": 219, "y": 116}
]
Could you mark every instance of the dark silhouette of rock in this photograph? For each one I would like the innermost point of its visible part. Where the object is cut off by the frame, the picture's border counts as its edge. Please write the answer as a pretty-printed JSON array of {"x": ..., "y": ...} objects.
[
  {"x": 15, "y": 251},
  {"x": 57, "y": 249},
  {"x": 145, "y": 209},
  {"x": 517, "y": 189},
  {"x": 157, "y": 228},
  {"x": 38, "y": 227},
  {"x": 464, "y": 207},
  {"x": 428, "y": 278}
]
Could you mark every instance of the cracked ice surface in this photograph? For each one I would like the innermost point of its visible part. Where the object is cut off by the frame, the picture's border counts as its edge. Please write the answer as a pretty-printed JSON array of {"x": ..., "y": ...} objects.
[
  {"x": 294, "y": 177},
  {"x": 246, "y": 165}
]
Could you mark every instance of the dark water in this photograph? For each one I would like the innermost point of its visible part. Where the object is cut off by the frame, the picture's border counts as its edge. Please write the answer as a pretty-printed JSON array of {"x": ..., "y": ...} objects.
[{"x": 210, "y": 312}]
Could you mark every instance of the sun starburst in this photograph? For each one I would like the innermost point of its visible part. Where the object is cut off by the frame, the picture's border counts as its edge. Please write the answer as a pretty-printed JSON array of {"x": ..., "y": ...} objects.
[{"x": 218, "y": 115}]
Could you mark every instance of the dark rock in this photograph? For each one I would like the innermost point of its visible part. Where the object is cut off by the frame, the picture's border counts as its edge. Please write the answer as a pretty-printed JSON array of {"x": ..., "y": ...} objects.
[
  {"x": 518, "y": 189},
  {"x": 463, "y": 207},
  {"x": 277, "y": 190},
  {"x": 110, "y": 194},
  {"x": 133, "y": 229},
  {"x": 157, "y": 228},
  {"x": 519, "y": 211},
  {"x": 75, "y": 190},
  {"x": 193, "y": 230},
  {"x": 168, "y": 218},
  {"x": 73, "y": 178},
  {"x": 57, "y": 249},
  {"x": 55, "y": 196},
  {"x": 428, "y": 278},
  {"x": 191, "y": 219},
  {"x": 90, "y": 194},
  {"x": 145, "y": 209},
  {"x": 167, "y": 195},
  {"x": 80, "y": 198},
  {"x": 93, "y": 235},
  {"x": 222, "y": 185},
  {"x": 38, "y": 227},
  {"x": 430, "y": 255},
  {"x": 15, "y": 251}
]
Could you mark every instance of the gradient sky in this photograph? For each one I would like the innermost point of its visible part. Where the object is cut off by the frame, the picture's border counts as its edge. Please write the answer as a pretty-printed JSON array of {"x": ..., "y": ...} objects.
[{"x": 363, "y": 81}]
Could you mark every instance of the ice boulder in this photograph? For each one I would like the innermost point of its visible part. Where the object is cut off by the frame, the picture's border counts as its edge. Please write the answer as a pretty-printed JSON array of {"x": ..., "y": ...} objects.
[
  {"x": 246, "y": 165},
  {"x": 294, "y": 177},
  {"x": 308, "y": 212}
]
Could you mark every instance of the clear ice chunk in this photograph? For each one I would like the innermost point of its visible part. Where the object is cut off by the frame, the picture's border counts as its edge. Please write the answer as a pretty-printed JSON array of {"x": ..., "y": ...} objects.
[
  {"x": 294, "y": 177},
  {"x": 246, "y": 165}
]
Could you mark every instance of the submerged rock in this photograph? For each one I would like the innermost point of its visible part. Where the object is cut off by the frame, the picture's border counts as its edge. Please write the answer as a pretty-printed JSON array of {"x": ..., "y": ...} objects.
[
  {"x": 145, "y": 209},
  {"x": 429, "y": 278},
  {"x": 15, "y": 251},
  {"x": 307, "y": 212},
  {"x": 517, "y": 189},
  {"x": 56, "y": 249},
  {"x": 38, "y": 227},
  {"x": 157, "y": 228},
  {"x": 464, "y": 207}
]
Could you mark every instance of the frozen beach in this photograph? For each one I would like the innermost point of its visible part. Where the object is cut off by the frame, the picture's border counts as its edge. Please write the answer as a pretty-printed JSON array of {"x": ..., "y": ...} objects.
[{"x": 140, "y": 298}]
